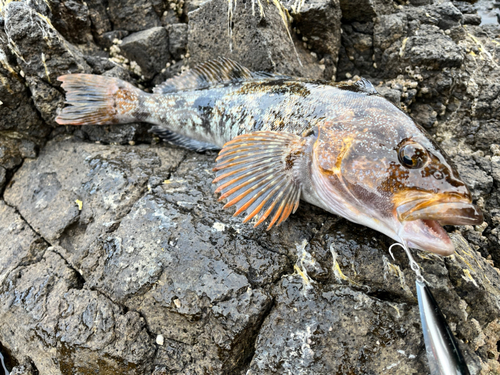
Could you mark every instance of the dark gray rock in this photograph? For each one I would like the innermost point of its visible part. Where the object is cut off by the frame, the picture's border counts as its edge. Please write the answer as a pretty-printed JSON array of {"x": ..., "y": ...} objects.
[
  {"x": 424, "y": 115},
  {"x": 258, "y": 42},
  {"x": 71, "y": 19},
  {"x": 18, "y": 117},
  {"x": 40, "y": 49},
  {"x": 98, "y": 15},
  {"x": 3, "y": 177},
  {"x": 365, "y": 10},
  {"x": 149, "y": 49},
  {"x": 133, "y": 15},
  {"x": 48, "y": 100},
  {"x": 319, "y": 22},
  {"x": 177, "y": 39},
  {"x": 476, "y": 176},
  {"x": 319, "y": 340},
  {"x": 107, "y": 39},
  {"x": 472, "y": 19},
  {"x": 390, "y": 94},
  {"x": 431, "y": 49}
]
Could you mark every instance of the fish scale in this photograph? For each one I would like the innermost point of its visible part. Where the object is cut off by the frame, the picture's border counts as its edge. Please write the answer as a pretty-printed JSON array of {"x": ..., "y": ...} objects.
[{"x": 339, "y": 146}]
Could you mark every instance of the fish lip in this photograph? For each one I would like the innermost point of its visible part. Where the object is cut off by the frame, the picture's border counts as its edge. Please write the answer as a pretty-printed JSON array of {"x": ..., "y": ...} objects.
[
  {"x": 446, "y": 209},
  {"x": 427, "y": 235}
]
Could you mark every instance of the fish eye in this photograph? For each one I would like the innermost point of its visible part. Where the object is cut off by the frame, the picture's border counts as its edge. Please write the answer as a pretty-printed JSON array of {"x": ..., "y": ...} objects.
[{"x": 412, "y": 155}]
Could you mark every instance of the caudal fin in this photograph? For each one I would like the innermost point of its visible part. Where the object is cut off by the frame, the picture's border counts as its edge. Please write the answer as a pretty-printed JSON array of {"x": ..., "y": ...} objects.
[{"x": 97, "y": 100}]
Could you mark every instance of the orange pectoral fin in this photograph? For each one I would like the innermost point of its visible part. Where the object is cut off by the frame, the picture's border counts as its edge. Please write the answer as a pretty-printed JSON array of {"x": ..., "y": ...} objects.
[{"x": 255, "y": 174}]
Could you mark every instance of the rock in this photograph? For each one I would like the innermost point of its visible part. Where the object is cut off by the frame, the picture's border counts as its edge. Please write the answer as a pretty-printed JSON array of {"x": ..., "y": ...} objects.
[
  {"x": 177, "y": 39},
  {"x": 40, "y": 50},
  {"x": 3, "y": 177},
  {"x": 18, "y": 117},
  {"x": 10, "y": 154},
  {"x": 149, "y": 49},
  {"x": 63, "y": 316},
  {"x": 259, "y": 42},
  {"x": 319, "y": 22},
  {"x": 476, "y": 176},
  {"x": 193, "y": 4},
  {"x": 108, "y": 39},
  {"x": 390, "y": 94},
  {"x": 48, "y": 100},
  {"x": 424, "y": 115},
  {"x": 71, "y": 19},
  {"x": 432, "y": 49},
  {"x": 133, "y": 15},
  {"x": 100, "y": 22},
  {"x": 99, "y": 64},
  {"x": 472, "y": 19},
  {"x": 365, "y": 10},
  {"x": 320, "y": 339}
]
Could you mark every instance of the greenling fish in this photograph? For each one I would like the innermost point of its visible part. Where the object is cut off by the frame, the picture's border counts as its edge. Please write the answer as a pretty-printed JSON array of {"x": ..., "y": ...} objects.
[{"x": 338, "y": 146}]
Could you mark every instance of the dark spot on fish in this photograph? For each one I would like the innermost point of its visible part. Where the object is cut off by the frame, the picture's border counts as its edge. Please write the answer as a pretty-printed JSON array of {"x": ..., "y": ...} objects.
[{"x": 281, "y": 86}]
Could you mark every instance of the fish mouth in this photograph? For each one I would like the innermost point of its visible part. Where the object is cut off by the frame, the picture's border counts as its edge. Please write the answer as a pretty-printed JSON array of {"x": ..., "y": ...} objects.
[
  {"x": 423, "y": 214},
  {"x": 447, "y": 209}
]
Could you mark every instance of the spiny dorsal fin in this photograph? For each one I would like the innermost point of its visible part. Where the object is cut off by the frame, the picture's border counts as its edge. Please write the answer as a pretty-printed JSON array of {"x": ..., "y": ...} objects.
[
  {"x": 213, "y": 71},
  {"x": 257, "y": 172},
  {"x": 362, "y": 85}
]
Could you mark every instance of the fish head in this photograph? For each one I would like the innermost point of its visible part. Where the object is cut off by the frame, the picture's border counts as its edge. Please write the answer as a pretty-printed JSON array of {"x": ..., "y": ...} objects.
[{"x": 394, "y": 179}]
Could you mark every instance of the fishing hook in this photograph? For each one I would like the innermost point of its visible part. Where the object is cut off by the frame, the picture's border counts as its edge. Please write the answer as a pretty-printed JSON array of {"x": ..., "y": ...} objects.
[{"x": 413, "y": 264}]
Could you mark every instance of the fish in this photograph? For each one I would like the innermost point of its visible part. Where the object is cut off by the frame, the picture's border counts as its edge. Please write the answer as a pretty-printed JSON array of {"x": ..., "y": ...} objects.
[
  {"x": 443, "y": 353},
  {"x": 340, "y": 146}
]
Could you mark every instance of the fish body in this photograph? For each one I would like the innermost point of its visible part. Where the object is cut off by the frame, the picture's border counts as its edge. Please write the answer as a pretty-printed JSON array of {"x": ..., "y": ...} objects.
[
  {"x": 443, "y": 354},
  {"x": 341, "y": 147}
]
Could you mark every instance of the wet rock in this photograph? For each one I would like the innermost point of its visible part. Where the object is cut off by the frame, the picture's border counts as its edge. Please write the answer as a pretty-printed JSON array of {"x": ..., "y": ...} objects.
[
  {"x": 365, "y": 10},
  {"x": 40, "y": 50},
  {"x": 259, "y": 42},
  {"x": 133, "y": 15},
  {"x": 475, "y": 174},
  {"x": 18, "y": 117},
  {"x": 432, "y": 49},
  {"x": 424, "y": 115},
  {"x": 149, "y": 49},
  {"x": 71, "y": 19},
  {"x": 319, "y": 22},
  {"x": 108, "y": 39},
  {"x": 3, "y": 176},
  {"x": 472, "y": 19},
  {"x": 319, "y": 340},
  {"x": 177, "y": 39},
  {"x": 62, "y": 316},
  {"x": 48, "y": 100},
  {"x": 100, "y": 22}
]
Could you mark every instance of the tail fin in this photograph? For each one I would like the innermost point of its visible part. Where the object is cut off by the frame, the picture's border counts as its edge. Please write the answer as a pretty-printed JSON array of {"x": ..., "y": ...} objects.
[{"x": 97, "y": 100}]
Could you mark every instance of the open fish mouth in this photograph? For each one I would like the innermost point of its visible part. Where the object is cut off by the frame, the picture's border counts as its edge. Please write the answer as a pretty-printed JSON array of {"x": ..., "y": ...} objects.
[{"x": 423, "y": 216}]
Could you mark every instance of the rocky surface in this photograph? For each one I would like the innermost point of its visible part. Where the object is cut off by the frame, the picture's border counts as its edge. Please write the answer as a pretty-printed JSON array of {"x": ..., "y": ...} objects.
[{"x": 117, "y": 257}]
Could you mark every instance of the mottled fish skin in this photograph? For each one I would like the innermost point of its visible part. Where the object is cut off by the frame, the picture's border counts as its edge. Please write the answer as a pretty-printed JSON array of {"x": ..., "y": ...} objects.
[
  {"x": 341, "y": 147},
  {"x": 218, "y": 114}
]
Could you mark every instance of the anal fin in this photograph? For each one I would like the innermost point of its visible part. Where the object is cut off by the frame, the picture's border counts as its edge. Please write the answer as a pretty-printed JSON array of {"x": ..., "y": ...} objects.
[
  {"x": 180, "y": 140},
  {"x": 258, "y": 173}
]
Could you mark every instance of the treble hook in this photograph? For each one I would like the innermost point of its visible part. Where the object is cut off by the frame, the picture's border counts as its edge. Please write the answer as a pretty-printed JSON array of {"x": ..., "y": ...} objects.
[{"x": 413, "y": 264}]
